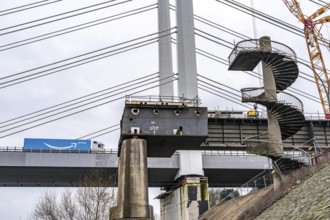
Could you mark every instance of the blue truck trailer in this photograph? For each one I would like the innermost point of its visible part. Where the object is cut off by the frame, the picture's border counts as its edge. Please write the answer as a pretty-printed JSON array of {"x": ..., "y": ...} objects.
[{"x": 61, "y": 145}]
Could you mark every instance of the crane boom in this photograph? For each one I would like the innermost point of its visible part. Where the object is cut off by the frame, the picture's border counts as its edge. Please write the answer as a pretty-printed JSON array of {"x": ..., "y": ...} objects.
[{"x": 312, "y": 35}]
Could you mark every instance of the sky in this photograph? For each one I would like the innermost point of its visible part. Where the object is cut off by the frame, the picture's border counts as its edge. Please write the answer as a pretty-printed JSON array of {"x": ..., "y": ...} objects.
[{"x": 34, "y": 95}]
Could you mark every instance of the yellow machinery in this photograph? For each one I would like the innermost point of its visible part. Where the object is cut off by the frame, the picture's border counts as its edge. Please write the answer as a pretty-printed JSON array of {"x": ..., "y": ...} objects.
[
  {"x": 253, "y": 113},
  {"x": 312, "y": 31}
]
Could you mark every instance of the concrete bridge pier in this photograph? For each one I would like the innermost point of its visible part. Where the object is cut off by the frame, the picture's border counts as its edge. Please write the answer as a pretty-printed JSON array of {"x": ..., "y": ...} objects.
[{"x": 132, "y": 201}]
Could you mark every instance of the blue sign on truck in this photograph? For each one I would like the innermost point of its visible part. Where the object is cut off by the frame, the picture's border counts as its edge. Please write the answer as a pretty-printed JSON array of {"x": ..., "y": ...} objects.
[{"x": 33, "y": 144}]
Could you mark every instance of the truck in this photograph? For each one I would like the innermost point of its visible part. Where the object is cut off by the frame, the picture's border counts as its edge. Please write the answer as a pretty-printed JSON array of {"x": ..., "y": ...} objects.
[{"x": 61, "y": 145}]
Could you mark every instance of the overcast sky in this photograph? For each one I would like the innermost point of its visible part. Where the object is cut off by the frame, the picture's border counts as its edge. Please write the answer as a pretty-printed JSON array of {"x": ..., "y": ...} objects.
[{"x": 31, "y": 96}]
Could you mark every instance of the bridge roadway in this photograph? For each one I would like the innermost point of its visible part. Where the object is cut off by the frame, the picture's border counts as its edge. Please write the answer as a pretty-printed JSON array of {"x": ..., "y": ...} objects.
[
  {"x": 226, "y": 133},
  {"x": 66, "y": 169}
]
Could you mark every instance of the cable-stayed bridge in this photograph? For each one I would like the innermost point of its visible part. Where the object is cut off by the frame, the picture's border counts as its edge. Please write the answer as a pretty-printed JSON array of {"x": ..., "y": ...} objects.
[
  {"x": 195, "y": 67},
  {"x": 206, "y": 29}
]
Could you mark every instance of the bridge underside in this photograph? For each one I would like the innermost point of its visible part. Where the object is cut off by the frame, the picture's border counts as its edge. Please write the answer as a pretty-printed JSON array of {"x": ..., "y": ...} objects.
[
  {"x": 71, "y": 177},
  {"x": 230, "y": 133},
  {"x": 66, "y": 170}
]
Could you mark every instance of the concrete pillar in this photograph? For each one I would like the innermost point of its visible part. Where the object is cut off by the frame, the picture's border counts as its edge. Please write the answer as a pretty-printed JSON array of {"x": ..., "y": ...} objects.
[
  {"x": 187, "y": 202},
  {"x": 186, "y": 49},
  {"x": 276, "y": 148},
  {"x": 191, "y": 163},
  {"x": 132, "y": 201},
  {"x": 165, "y": 49}
]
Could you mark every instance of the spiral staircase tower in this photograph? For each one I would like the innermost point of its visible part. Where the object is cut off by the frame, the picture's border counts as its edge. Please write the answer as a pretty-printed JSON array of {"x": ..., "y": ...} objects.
[{"x": 284, "y": 111}]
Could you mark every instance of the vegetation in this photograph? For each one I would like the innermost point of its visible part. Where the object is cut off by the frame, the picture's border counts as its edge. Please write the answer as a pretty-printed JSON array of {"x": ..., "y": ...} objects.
[
  {"x": 91, "y": 201},
  {"x": 217, "y": 195}
]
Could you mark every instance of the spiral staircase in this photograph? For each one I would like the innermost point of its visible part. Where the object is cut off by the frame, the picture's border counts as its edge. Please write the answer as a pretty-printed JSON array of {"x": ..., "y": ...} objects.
[{"x": 287, "y": 109}]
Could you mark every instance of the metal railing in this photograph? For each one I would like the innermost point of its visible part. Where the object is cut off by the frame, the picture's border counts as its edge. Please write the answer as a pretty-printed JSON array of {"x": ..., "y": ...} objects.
[
  {"x": 260, "y": 93},
  {"x": 290, "y": 99},
  {"x": 254, "y": 45},
  {"x": 226, "y": 153},
  {"x": 20, "y": 149},
  {"x": 163, "y": 100},
  {"x": 264, "y": 95},
  {"x": 296, "y": 153}
]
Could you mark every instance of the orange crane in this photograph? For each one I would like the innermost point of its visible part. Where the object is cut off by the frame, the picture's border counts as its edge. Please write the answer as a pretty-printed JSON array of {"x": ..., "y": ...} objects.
[{"x": 312, "y": 31}]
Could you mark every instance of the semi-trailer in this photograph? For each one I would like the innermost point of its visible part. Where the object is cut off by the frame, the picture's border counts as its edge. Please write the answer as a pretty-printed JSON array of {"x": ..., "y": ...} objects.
[{"x": 61, "y": 145}]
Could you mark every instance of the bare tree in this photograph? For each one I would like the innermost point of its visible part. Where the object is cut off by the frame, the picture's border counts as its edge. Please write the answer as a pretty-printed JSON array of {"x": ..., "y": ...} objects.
[
  {"x": 217, "y": 195},
  {"x": 47, "y": 207},
  {"x": 91, "y": 201},
  {"x": 94, "y": 197}
]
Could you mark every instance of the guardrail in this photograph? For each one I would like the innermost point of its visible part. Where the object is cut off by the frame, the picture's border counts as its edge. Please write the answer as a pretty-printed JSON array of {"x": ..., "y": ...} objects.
[
  {"x": 226, "y": 153},
  {"x": 20, "y": 149},
  {"x": 162, "y": 100},
  {"x": 255, "y": 45},
  {"x": 250, "y": 93}
]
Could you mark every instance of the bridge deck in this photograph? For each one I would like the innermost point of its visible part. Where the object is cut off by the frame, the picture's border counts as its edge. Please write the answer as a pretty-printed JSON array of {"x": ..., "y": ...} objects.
[{"x": 64, "y": 169}]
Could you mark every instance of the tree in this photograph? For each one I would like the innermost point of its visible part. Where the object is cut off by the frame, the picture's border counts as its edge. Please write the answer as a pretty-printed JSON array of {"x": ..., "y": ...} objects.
[
  {"x": 217, "y": 195},
  {"x": 228, "y": 194},
  {"x": 91, "y": 201}
]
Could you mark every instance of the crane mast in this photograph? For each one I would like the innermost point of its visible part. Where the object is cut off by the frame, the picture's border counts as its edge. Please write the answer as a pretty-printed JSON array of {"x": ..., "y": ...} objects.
[{"x": 312, "y": 33}]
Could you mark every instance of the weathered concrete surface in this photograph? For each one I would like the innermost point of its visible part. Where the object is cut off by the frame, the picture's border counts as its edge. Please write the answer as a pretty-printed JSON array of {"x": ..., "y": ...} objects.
[
  {"x": 237, "y": 207},
  {"x": 133, "y": 200},
  {"x": 309, "y": 200},
  {"x": 270, "y": 92},
  {"x": 301, "y": 198}
]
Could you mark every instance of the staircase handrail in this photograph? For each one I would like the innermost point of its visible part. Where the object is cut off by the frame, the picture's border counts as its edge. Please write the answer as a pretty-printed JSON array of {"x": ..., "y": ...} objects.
[
  {"x": 254, "y": 44},
  {"x": 280, "y": 96},
  {"x": 290, "y": 99}
]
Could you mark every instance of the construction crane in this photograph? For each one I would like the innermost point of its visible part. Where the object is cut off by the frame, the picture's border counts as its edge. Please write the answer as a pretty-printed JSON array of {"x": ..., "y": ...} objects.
[{"x": 312, "y": 32}]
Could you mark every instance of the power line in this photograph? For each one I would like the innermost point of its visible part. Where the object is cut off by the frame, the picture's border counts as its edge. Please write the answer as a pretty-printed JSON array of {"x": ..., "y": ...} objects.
[
  {"x": 70, "y": 16},
  {"x": 217, "y": 39},
  {"x": 232, "y": 32},
  {"x": 79, "y": 100},
  {"x": 86, "y": 60},
  {"x": 319, "y": 4},
  {"x": 93, "y": 100},
  {"x": 77, "y": 27},
  {"x": 213, "y": 81},
  {"x": 104, "y": 133},
  {"x": 79, "y": 64},
  {"x": 76, "y": 107},
  {"x": 84, "y": 54},
  {"x": 224, "y": 97},
  {"x": 267, "y": 18},
  {"x": 220, "y": 27},
  {"x": 104, "y": 129},
  {"x": 21, "y": 8},
  {"x": 74, "y": 113},
  {"x": 220, "y": 90},
  {"x": 256, "y": 75}
]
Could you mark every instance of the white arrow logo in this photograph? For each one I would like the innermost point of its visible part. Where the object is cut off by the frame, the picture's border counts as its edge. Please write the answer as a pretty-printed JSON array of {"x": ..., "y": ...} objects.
[{"x": 73, "y": 145}]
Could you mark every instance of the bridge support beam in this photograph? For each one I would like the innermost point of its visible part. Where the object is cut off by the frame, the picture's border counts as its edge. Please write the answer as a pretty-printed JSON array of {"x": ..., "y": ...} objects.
[{"x": 132, "y": 201}]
